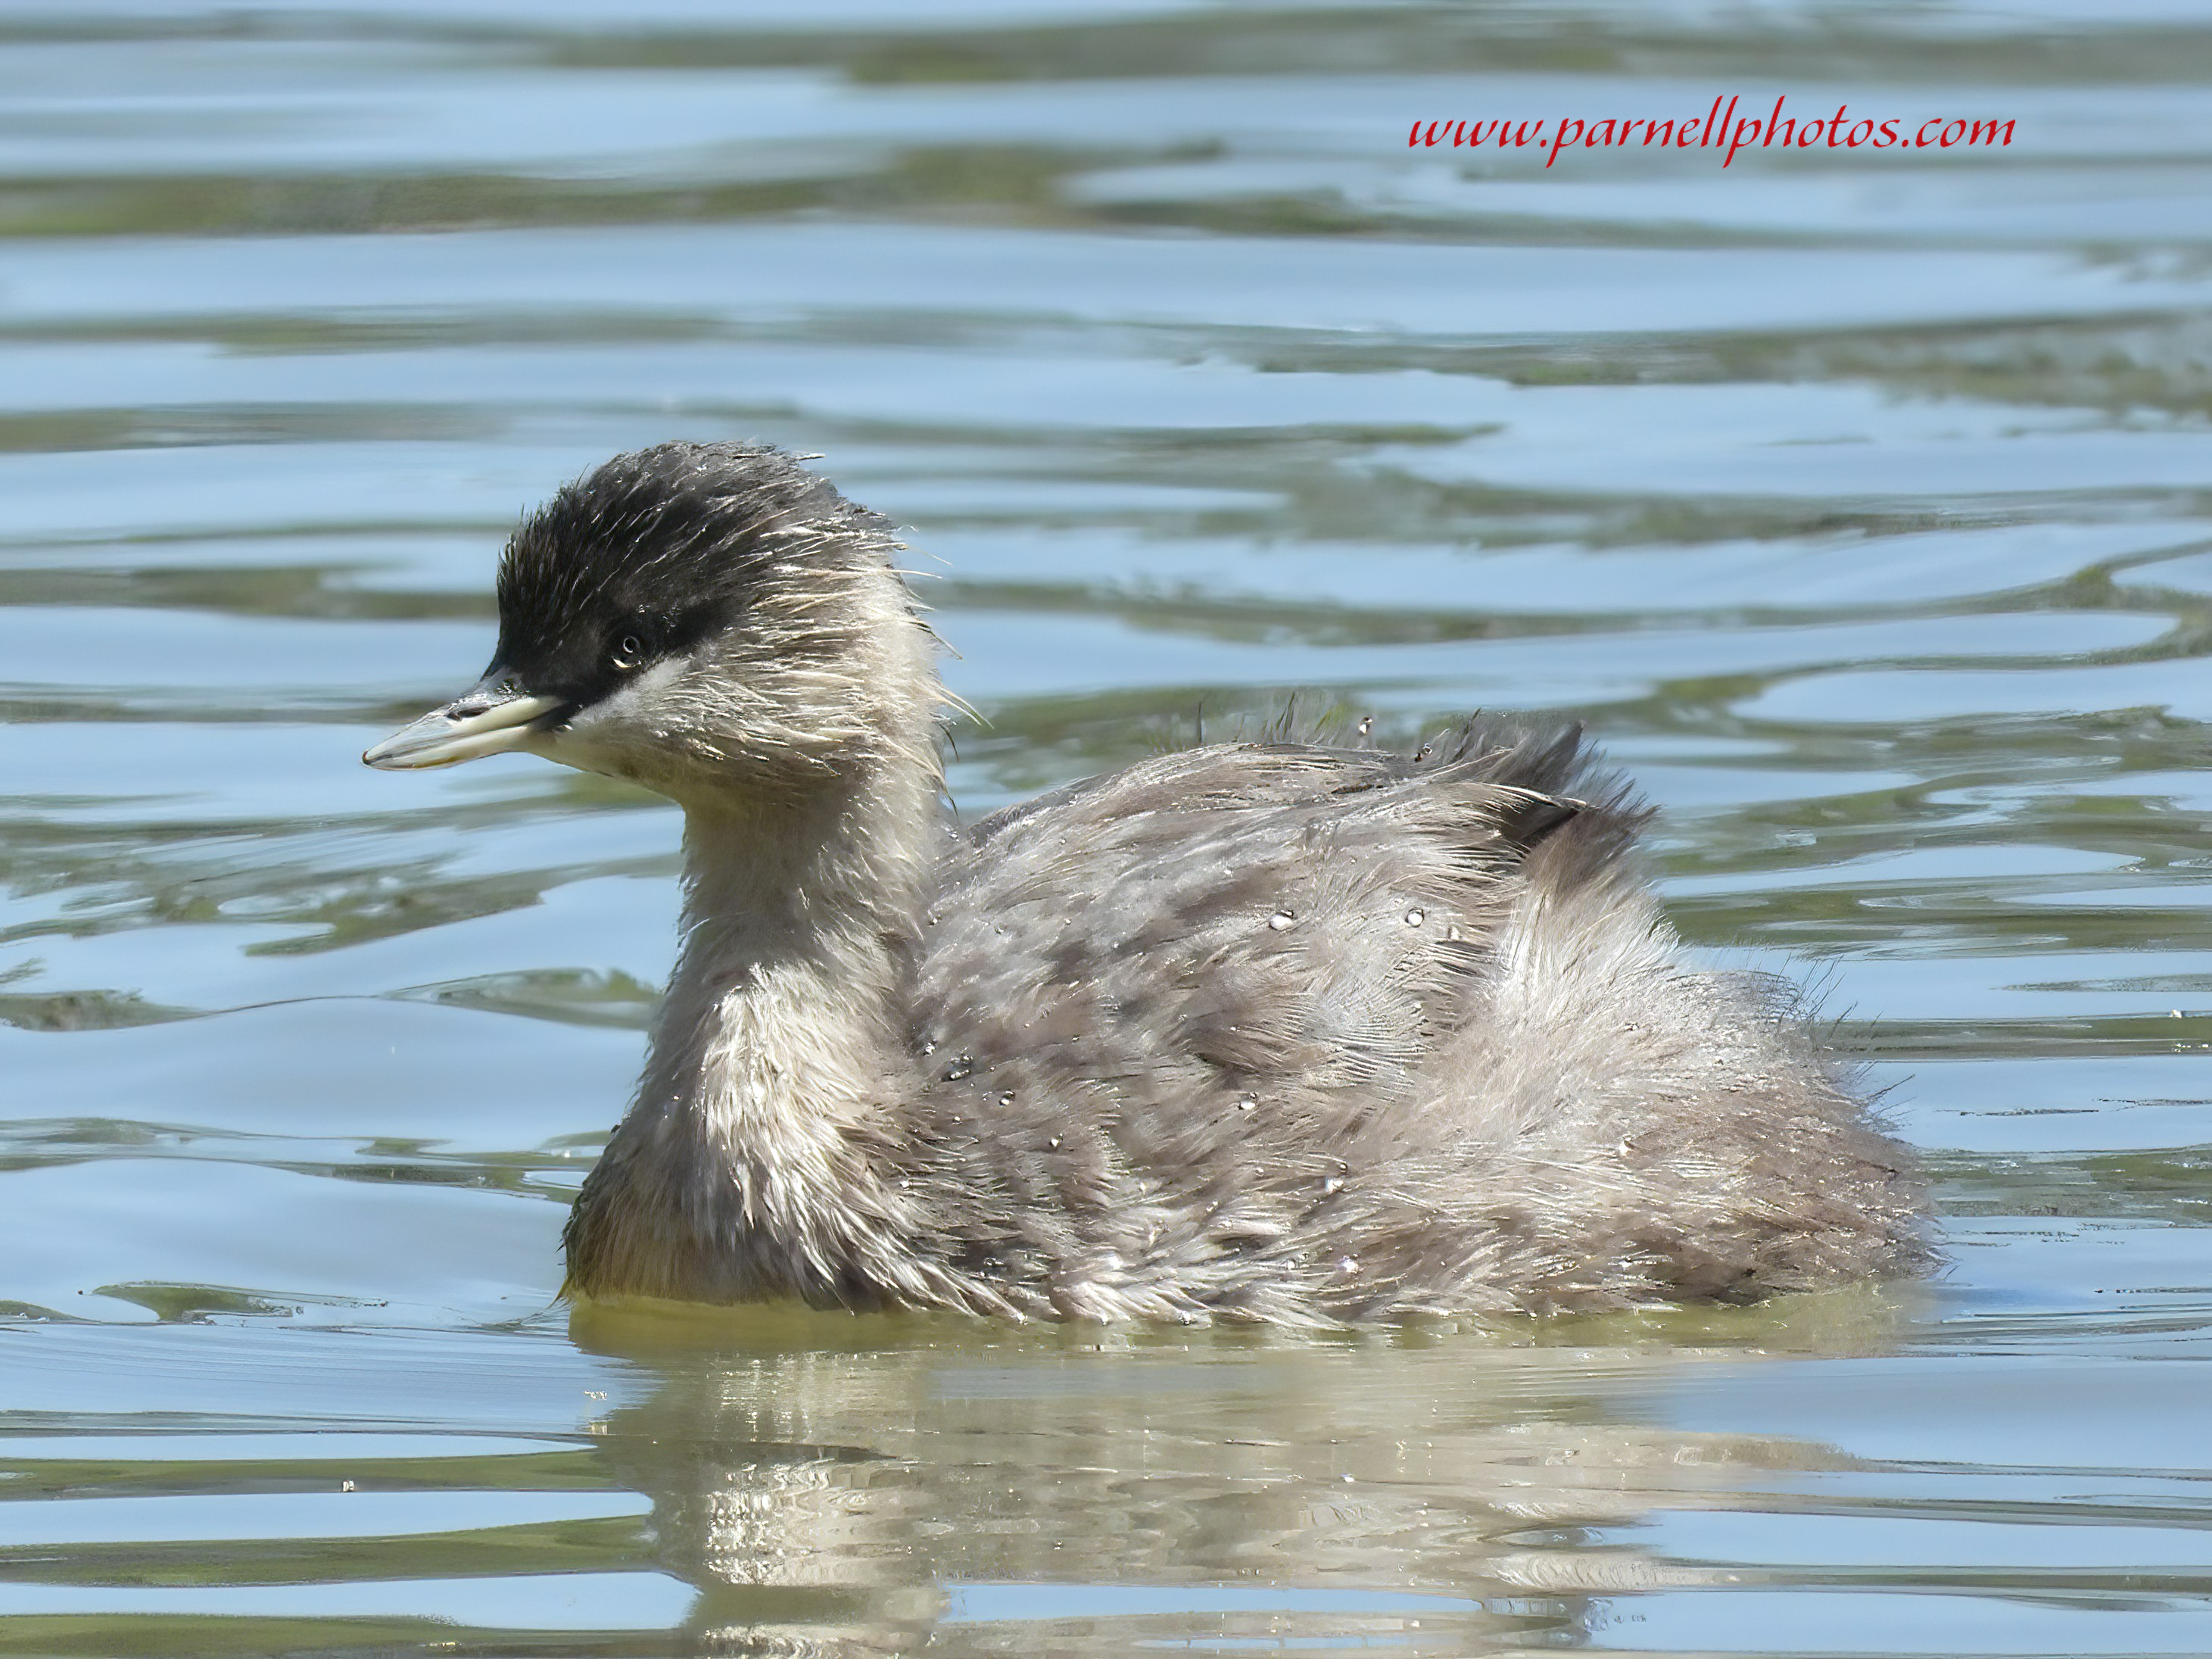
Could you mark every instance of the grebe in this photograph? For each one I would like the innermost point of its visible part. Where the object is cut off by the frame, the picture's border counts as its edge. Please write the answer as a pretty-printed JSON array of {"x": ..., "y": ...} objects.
[{"x": 1303, "y": 1032}]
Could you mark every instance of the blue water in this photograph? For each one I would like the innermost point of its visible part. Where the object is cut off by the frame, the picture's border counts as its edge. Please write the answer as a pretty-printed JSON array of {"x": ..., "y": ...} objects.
[{"x": 1861, "y": 503}]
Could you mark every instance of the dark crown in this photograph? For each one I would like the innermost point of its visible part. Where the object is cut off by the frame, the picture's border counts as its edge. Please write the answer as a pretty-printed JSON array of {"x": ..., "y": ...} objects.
[{"x": 662, "y": 545}]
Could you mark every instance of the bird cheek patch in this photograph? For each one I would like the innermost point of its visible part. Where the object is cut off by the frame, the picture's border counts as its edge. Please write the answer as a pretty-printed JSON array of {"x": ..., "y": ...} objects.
[{"x": 638, "y": 705}]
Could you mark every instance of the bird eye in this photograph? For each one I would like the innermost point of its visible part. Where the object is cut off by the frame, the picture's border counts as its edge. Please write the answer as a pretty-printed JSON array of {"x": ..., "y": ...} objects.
[{"x": 630, "y": 649}]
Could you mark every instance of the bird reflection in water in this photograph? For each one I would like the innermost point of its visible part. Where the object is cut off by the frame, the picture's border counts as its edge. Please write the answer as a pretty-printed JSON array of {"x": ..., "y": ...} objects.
[{"x": 834, "y": 1486}]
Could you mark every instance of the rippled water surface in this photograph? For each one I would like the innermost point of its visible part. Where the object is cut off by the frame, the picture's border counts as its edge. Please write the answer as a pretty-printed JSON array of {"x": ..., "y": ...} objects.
[{"x": 1858, "y": 501}]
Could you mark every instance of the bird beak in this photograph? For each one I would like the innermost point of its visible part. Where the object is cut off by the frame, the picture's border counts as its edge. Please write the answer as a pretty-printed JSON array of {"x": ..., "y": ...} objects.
[{"x": 492, "y": 716}]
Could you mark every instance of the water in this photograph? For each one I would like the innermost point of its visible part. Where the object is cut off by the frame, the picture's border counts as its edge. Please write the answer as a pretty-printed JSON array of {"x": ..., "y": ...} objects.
[{"x": 1858, "y": 502}]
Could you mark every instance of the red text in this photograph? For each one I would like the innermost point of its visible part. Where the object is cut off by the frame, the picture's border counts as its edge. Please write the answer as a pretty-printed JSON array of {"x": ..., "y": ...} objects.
[{"x": 1718, "y": 129}]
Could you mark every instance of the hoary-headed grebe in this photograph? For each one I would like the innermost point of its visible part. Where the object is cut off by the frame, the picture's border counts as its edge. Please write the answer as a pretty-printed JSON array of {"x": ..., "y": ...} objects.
[{"x": 1297, "y": 1031}]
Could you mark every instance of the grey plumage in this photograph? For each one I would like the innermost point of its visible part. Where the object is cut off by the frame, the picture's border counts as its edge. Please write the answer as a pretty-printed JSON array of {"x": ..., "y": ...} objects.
[{"x": 1295, "y": 1031}]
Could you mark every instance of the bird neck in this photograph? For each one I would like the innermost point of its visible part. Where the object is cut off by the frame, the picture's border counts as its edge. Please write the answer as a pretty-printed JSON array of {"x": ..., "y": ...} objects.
[
  {"x": 798, "y": 923},
  {"x": 756, "y": 1160}
]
